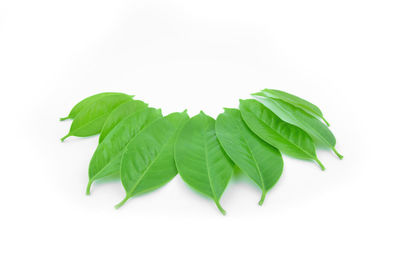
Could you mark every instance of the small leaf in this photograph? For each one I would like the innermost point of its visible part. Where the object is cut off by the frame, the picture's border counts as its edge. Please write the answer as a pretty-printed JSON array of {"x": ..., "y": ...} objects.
[
  {"x": 148, "y": 162},
  {"x": 296, "y": 116},
  {"x": 86, "y": 102},
  {"x": 90, "y": 120},
  {"x": 257, "y": 159},
  {"x": 106, "y": 160},
  {"x": 295, "y": 101},
  {"x": 120, "y": 113},
  {"x": 200, "y": 160},
  {"x": 288, "y": 138}
]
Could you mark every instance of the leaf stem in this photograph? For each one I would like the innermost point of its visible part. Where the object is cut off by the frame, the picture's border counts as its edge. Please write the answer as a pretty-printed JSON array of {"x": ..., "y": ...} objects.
[
  {"x": 220, "y": 207},
  {"x": 65, "y": 137},
  {"x": 327, "y": 123},
  {"x": 320, "y": 164},
  {"x": 63, "y": 119},
  {"x": 337, "y": 153},
  {"x": 262, "y": 197},
  {"x": 121, "y": 203},
  {"x": 88, "y": 187}
]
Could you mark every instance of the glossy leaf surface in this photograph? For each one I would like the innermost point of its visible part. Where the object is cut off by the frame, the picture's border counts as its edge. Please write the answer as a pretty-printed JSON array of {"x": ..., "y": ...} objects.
[
  {"x": 288, "y": 138},
  {"x": 90, "y": 120},
  {"x": 200, "y": 160},
  {"x": 295, "y": 101},
  {"x": 120, "y": 113},
  {"x": 106, "y": 160},
  {"x": 87, "y": 102},
  {"x": 257, "y": 159},
  {"x": 148, "y": 162},
  {"x": 296, "y": 116}
]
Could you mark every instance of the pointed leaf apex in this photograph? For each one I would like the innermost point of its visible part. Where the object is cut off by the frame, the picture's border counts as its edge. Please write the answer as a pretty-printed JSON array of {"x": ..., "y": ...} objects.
[{"x": 258, "y": 94}]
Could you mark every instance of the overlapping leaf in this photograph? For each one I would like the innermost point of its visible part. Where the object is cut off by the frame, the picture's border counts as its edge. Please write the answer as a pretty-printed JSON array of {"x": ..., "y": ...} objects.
[
  {"x": 200, "y": 160},
  {"x": 146, "y": 150},
  {"x": 90, "y": 120},
  {"x": 288, "y": 138},
  {"x": 106, "y": 160},
  {"x": 148, "y": 162},
  {"x": 295, "y": 101},
  {"x": 120, "y": 113},
  {"x": 85, "y": 103},
  {"x": 260, "y": 161},
  {"x": 296, "y": 116}
]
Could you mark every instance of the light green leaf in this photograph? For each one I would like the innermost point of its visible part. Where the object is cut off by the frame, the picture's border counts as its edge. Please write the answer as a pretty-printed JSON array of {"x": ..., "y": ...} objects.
[
  {"x": 86, "y": 102},
  {"x": 296, "y": 116},
  {"x": 295, "y": 101},
  {"x": 200, "y": 160},
  {"x": 288, "y": 138},
  {"x": 148, "y": 162},
  {"x": 257, "y": 159},
  {"x": 120, "y": 113},
  {"x": 90, "y": 120},
  {"x": 106, "y": 160}
]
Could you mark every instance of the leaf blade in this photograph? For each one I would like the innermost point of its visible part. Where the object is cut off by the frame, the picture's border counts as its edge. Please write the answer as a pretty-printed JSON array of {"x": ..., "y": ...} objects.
[
  {"x": 120, "y": 113},
  {"x": 106, "y": 160},
  {"x": 296, "y": 101},
  {"x": 298, "y": 117},
  {"x": 148, "y": 163},
  {"x": 90, "y": 119},
  {"x": 260, "y": 161},
  {"x": 286, "y": 137},
  {"x": 86, "y": 102},
  {"x": 200, "y": 160}
]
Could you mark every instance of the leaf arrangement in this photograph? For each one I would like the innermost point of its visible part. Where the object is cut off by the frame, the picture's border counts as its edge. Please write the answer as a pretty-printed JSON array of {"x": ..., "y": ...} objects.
[{"x": 146, "y": 150}]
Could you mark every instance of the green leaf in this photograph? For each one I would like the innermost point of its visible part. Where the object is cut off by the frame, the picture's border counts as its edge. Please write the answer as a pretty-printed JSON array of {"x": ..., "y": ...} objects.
[
  {"x": 295, "y": 101},
  {"x": 120, "y": 113},
  {"x": 148, "y": 162},
  {"x": 288, "y": 138},
  {"x": 200, "y": 160},
  {"x": 106, "y": 160},
  {"x": 87, "y": 102},
  {"x": 296, "y": 116},
  {"x": 257, "y": 159},
  {"x": 90, "y": 120}
]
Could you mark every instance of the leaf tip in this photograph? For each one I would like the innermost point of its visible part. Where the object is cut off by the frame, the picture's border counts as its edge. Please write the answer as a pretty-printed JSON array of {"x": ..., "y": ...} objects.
[
  {"x": 220, "y": 208},
  {"x": 65, "y": 137},
  {"x": 88, "y": 187},
  {"x": 337, "y": 153},
  {"x": 121, "y": 203},
  {"x": 320, "y": 164},
  {"x": 262, "y": 198},
  {"x": 326, "y": 122}
]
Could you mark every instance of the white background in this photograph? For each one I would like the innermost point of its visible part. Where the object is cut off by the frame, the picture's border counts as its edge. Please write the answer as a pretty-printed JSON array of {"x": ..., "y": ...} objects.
[{"x": 200, "y": 55}]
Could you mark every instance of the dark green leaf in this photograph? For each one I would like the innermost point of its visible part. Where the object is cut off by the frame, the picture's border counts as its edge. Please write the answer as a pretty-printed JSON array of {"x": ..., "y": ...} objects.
[
  {"x": 106, "y": 160},
  {"x": 90, "y": 119},
  {"x": 120, "y": 113},
  {"x": 200, "y": 160},
  {"x": 148, "y": 162},
  {"x": 260, "y": 161},
  {"x": 288, "y": 138}
]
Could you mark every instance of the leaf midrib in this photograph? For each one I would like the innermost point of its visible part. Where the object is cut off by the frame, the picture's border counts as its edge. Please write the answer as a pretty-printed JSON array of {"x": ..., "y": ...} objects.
[
  {"x": 119, "y": 153},
  {"x": 312, "y": 156},
  {"x": 304, "y": 124},
  {"x": 208, "y": 169},
  {"x": 148, "y": 167},
  {"x": 241, "y": 129}
]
